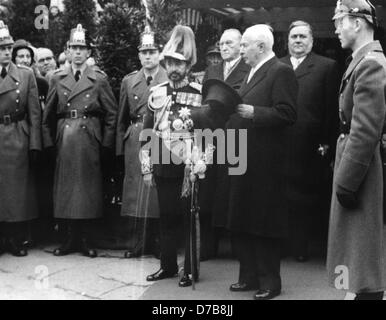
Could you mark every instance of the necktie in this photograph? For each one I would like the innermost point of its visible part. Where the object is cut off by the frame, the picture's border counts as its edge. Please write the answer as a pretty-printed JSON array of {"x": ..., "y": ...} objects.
[
  {"x": 227, "y": 69},
  {"x": 148, "y": 80},
  {"x": 77, "y": 76},
  {"x": 4, "y": 72}
]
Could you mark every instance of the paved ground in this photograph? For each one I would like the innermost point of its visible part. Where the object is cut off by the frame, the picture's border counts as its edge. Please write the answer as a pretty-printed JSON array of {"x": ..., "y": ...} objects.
[{"x": 43, "y": 276}]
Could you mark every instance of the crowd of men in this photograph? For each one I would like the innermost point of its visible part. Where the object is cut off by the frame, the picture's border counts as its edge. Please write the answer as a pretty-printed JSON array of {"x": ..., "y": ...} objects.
[{"x": 294, "y": 112}]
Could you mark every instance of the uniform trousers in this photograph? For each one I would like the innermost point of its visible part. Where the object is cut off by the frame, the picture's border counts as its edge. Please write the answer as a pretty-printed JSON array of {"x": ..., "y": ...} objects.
[
  {"x": 173, "y": 216},
  {"x": 259, "y": 259}
]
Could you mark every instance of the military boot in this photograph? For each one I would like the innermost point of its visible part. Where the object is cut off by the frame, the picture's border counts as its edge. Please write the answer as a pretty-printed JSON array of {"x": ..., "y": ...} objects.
[{"x": 69, "y": 244}]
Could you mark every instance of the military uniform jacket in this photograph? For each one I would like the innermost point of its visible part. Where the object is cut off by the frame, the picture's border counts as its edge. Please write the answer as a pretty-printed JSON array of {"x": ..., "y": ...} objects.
[
  {"x": 356, "y": 237},
  {"x": 133, "y": 101},
  {"x": 18, "y": 94},
  {"x": 185, "y": 114},
  {"x": 78, "y": 141}
]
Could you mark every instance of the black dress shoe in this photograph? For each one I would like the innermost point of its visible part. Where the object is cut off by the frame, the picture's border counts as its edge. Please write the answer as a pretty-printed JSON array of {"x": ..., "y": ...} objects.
[
  {"x": 266, "y": 294},
  {"x": 369, "y": 296},
  {"x": 131, "y": 254},
  {"x": 239, "y": 287},
  {"x": 86, "y": 250},
  {"x": 16, "y": 249},
  {"x": 186, "y": 281},
  {"x": 66, "y": 248},
  {"x": 301, "y": 258},
  {"x": 160, "y": 275}
]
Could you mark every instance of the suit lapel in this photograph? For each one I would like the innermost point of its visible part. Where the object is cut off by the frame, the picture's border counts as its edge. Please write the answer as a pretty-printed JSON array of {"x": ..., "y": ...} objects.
[
  {"x": 68, "y": 80},
  {"x": 257, "y": 77},
  {"x": 139, "y": 89},
  {"x": 305, "y": 67},
  {"x": 237, "y": 70},
  {"x": 9, "y": 82},
  {"x": 86, "y": 81}
]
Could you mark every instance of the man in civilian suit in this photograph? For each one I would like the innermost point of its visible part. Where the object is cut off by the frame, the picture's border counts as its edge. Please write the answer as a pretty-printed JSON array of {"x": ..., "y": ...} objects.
[
  {"x": 312, "y": 138},
  {"x": 257, "y": 202},
  {"x": 214, "y": 190}
]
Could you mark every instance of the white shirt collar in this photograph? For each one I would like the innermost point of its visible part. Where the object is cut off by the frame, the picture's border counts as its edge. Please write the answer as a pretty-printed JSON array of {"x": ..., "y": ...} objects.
[
  {"x": 233, "y": 62},
  {"x": 259, "y": 65},
  {"x": 297, "y": 61}
]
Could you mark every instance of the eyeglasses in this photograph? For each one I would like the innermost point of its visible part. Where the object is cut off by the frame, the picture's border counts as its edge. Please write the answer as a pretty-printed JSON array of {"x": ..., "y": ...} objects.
[{"x": 48, "y": 59}]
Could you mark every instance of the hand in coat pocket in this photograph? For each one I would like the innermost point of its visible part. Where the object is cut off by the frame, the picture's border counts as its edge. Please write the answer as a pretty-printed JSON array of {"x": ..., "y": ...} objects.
[{"x": 346, "y": 198}]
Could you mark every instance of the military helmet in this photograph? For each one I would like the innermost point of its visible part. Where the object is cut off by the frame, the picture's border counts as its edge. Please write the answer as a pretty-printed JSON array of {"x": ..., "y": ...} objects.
[
  {"x": 5, "y": 37},
  {"x": 79, "y": 37},
  {"x": 356, "y": 8},
  {"x": 181, "y": 46},
  {"x": 148, "y": 40}
]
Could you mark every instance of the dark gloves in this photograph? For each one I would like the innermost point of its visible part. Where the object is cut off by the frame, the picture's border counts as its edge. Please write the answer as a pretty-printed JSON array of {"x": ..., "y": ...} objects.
[
  {"x": 107, "y": 158},
  {"x": 347, "y": 199}
]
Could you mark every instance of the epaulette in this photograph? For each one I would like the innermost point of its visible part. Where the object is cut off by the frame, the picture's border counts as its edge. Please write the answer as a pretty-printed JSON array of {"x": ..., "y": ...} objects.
[
  {"x": 131, "y": 73},
  {"x": 196, "y": 86},
  {"x": 158, "y": 85},
  {"x": 101, "y": 72}
]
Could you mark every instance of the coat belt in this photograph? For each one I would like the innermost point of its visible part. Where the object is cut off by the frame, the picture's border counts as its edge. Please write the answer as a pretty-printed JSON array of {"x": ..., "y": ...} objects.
[
  {"x": 7, "y": 119},
  {"x": 77, "y": 114}
]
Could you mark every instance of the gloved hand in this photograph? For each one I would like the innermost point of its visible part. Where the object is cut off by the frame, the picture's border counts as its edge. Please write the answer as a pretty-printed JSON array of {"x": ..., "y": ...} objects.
[
  {"x": 120, "y": 163},
  {"x": 107, "y": 159},
  {"x": 347, "y": 199}
]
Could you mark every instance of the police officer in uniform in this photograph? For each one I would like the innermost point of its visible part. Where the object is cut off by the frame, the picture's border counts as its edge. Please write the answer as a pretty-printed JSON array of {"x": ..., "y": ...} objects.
[
  {"x": 79, "y": 124},
  {"x": 20, "y": 144},
  {"x": 139, "y": 203},
  {"x": 356, "y": 248},
  {"x": 172, "y": 106}
]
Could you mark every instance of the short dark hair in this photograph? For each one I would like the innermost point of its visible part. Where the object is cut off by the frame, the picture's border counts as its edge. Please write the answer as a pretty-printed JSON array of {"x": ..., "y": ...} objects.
[{"x": 301, "y": 23}]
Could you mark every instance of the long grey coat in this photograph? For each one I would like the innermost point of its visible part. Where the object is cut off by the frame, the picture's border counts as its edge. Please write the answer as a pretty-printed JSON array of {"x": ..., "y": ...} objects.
[
  {"x": 137, "y": 200},
  {"x": 78, "y": 176},
  {"x": 357, "y": 237},
  {"x": 18, "y": 93}
]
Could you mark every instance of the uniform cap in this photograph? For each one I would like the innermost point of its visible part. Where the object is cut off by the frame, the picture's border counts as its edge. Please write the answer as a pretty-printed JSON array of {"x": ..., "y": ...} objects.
[{"x": 356, "y": 8}]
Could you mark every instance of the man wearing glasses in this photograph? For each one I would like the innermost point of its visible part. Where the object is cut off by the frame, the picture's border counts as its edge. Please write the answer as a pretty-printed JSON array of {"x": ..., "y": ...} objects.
[{"x": 45, "y": 61}]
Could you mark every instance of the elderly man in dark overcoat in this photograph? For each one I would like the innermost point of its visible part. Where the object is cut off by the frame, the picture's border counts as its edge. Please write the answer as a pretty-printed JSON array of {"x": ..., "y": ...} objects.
[
  {"x": 20, "y": 142},
  {"x": 79, "y": 123},
  {"x": 312, "y": 139},
  {"x": 357, "y": 248},
  {"x": 257, "y": 204}
]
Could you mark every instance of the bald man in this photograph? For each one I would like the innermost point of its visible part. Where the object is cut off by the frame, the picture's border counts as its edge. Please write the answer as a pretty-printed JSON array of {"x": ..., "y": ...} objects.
[{"x": 257, "y": 206}]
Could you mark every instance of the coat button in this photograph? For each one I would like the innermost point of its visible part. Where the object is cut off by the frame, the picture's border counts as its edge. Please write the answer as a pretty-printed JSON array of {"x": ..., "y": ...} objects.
[
  {"x": 17, "y": 91},
  {"x": 68, "y": 104},
  {"x": 87, "y": 96},
  {"x": 84, "y": 117},
  {"x": 342, "y": 136},
  {"x": 67, "y": 126},
  {"x": 85, "y": 107},
  {"x": 17, "y": 83},
  {"x": 65, "y": 93},
  {"x": 17, "y": 101}
]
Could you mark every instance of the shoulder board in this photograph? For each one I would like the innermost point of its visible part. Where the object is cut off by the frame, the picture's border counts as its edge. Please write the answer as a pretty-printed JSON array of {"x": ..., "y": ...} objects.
[
  {"x": 100, "y": 72},
  {"x": 196, "y": 86},
  {"x": 158, "y": 85},
  {"x": 131, "y": 73}
]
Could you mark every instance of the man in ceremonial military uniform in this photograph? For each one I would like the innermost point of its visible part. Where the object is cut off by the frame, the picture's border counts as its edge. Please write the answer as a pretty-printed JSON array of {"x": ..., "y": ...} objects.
[
  {"x": 79, "y": 127},
  {"x": 139, "y": 203},
  {"x": 20, "y": 143},
  {"x": 357, "y": 232},
  {"x": 172, "y": 108}
]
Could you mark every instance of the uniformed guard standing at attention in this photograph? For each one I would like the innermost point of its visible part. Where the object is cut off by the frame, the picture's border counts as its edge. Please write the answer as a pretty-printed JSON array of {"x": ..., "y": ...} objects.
[
  {"x": 20, "y": 144},
  {"x": 79, "y": 126},
  {"x": 139, "y": 203},
  {"x": 357, "y": 247}
]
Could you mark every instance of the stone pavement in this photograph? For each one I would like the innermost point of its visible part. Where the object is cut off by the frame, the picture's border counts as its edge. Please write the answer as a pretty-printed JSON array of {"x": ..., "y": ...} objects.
[{"x": 42, "y": 276}]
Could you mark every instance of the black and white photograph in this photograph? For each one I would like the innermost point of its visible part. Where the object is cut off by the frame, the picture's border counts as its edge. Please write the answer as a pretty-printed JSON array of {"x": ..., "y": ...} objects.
[{"x": 192, "y": 154}]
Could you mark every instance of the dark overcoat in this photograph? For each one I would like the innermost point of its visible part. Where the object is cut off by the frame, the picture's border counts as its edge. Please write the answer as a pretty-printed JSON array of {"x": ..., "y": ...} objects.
[
  {"x": 78, "y": 142},
  {"x": 214, "y": 190},
  {"x": 137, "y": 201},
  {"x": 235, "y": 78},
  {"x": 18, "y": 94},
  {"x": 357, "y": 237},
  {"x": 317, "y": 124},
  {"x": 257, "y": 203}
]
